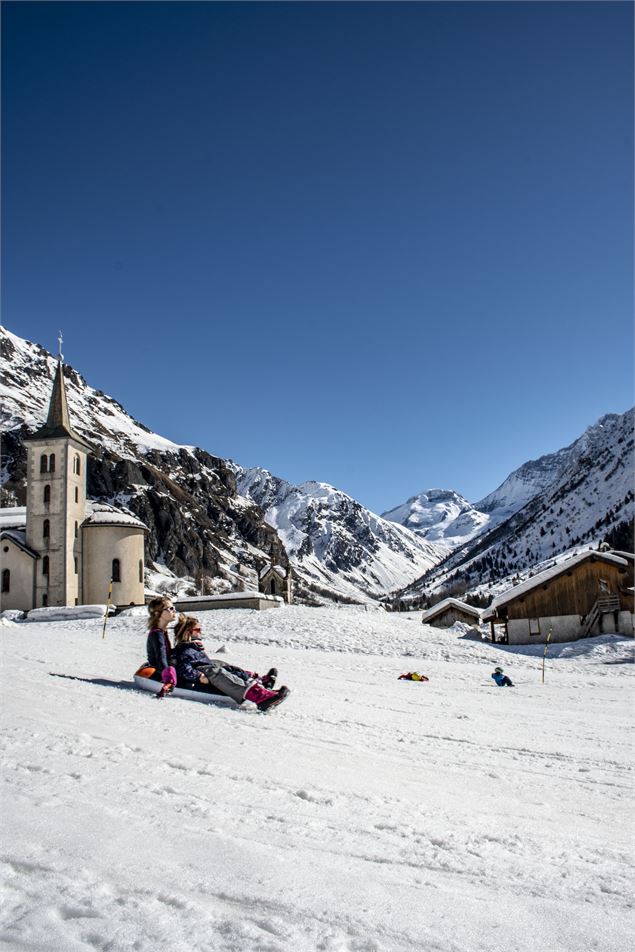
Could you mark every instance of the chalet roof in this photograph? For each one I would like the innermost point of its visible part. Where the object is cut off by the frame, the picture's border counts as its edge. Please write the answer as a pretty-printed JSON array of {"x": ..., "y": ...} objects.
[
  {"x": 58, "y": 423},
  {"x": 513, "y": 593},
  {"x": 441, "y": 607},
  {"x": 100, "y": 514},
  {"x": 19, "y": 538}
]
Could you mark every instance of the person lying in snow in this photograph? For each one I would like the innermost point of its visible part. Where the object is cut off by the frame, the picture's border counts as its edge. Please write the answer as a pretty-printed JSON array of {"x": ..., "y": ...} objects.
[
  {"x": 413, "y": 676},
  {"x": 196, "y": 671},
  {"x": 501, "y": 679}
]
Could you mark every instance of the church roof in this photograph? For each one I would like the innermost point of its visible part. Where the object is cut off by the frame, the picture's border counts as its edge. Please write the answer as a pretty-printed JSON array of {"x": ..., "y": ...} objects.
[
  {"x": 19, "y": 538},
  {"x": 100, "y": 514},
  {"x": 58, "y": 423}
]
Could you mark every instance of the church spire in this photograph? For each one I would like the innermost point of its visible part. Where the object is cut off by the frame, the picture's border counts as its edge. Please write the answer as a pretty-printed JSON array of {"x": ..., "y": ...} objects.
[
  {"x": 58, "y": 418},
  {"x": 58, "y": 422}
]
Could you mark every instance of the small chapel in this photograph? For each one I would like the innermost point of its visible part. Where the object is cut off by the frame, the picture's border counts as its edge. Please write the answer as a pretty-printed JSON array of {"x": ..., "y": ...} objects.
[{"x": 63, "y": 549}]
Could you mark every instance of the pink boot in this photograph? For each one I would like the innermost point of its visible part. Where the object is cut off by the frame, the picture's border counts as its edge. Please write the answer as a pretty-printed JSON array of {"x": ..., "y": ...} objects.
[{"x": 257, "y": 693}]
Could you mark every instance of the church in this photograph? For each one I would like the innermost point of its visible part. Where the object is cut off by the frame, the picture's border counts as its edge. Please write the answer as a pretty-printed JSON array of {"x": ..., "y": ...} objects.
[{"x": 63, "y": 549}]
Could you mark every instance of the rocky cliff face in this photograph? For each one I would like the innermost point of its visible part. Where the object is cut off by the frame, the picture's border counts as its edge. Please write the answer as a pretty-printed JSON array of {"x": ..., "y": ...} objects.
[{"x": 199, "y": 525}]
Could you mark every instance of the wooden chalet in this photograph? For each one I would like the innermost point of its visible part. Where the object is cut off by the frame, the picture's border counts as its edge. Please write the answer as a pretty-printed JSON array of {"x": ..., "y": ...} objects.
[
  {"x": 444, "y": 614},
  {"x": 588, "y": 594}
]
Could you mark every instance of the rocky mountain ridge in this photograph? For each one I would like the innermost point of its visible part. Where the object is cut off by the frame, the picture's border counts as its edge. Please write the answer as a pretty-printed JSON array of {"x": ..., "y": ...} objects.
[
  {"x": 333, "y": 541},
  {"x": 579, "y": 496}
]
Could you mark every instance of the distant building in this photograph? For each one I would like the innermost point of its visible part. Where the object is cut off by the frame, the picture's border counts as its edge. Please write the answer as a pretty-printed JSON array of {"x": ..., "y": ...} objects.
[
  {"x": 276, "y": 580},
  {"x": 444, "y": 614},
  {"x": 587, "y": 594},
  {"x": 61, "y": 549}
]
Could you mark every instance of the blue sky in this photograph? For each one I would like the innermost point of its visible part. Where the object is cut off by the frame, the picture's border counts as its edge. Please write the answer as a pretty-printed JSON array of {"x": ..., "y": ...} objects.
[{"x": 386, "y": 246}]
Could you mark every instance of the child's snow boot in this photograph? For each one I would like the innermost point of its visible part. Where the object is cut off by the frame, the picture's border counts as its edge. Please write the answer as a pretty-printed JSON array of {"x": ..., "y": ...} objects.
[
  {"x": 269, "y": 679},
  {"x": 277, "y": 698}
]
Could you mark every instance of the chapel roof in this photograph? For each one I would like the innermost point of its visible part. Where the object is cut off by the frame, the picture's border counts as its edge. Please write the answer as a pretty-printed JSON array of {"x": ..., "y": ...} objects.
[{"x": 101, "y": 514}]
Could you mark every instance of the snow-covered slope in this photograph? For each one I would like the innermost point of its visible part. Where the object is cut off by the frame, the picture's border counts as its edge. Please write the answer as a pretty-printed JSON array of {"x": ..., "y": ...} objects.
[
  {"x": 365, "y": 814},
  {"x": 333, "y": 541},
  {"x": 537, "y": 476}
]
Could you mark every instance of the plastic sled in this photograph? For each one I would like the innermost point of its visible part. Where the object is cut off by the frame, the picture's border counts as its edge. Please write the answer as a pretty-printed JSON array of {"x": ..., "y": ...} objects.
[{"x": 143, "y": 681}]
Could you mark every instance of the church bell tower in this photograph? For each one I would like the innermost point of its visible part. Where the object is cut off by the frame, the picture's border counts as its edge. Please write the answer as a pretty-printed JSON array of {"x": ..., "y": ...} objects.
[{"x": 56, "y": 501}]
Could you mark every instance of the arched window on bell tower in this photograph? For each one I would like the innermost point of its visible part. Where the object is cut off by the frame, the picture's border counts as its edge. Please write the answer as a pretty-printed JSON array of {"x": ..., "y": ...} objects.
[
  {"x": 47, "y": 495},
  {"x": 44, "y": 463}
]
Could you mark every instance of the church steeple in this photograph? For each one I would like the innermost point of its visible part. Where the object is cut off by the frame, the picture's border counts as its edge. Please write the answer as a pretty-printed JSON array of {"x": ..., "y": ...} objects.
[
  {"x": 56, "y": 501},
  {"x": 58, "y": 423}
]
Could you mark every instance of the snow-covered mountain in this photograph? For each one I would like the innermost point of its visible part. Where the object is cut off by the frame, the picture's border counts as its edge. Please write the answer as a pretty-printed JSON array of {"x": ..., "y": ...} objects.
[
  {"x": 199, "y": 526},
  {"x": 577, "y": 496},
  {"x": 205, "y": 525},
  {"x": 441, "y": 516},
  {"x": 333, "y": 541}
]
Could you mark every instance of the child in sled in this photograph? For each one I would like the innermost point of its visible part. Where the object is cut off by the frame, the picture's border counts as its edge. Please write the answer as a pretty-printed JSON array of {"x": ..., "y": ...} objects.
[
  {"x": 196, "y": 671},
  {"x": 413, "y": 676},
  {"x": 501, "y": 679}
]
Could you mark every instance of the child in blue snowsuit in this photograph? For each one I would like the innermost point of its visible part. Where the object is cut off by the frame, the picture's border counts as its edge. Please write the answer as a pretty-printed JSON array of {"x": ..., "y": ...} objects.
[{"x": 501, "y": 679}]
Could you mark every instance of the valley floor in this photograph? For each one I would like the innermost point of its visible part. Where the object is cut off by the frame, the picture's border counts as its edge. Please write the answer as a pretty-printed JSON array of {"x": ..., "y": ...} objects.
[{"x": 363, "y": 815}]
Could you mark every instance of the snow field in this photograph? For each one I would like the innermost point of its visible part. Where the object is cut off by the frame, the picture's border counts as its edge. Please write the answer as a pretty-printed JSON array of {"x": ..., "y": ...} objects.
[{"x": 363, "y": 815}]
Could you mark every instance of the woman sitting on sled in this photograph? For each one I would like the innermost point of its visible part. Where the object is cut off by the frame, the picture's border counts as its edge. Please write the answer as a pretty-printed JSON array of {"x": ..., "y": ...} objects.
[{"x": 196, "y": 671}]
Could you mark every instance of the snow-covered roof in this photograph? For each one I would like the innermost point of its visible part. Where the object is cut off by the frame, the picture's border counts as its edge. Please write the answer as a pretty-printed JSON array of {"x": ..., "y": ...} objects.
[
  {"x": 102, "y": 515},
  {"x": 449, "y": 603},
  {"x": 552, "y": 573},
  {"x": 19, "y": 537},
  {"x": 226, "y": 596},
  {"x": 66, "y": 612},
  {"x": 13, "y": 517},
  {"x": 278, "y": 569}
]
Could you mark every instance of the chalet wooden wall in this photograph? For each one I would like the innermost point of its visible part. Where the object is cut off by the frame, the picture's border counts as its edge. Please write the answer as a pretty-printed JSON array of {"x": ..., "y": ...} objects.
[{"x": 573, "y": 592}]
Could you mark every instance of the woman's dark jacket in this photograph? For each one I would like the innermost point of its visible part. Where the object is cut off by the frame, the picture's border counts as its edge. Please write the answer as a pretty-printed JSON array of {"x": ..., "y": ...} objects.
[{"x": 158, "y": 648}]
